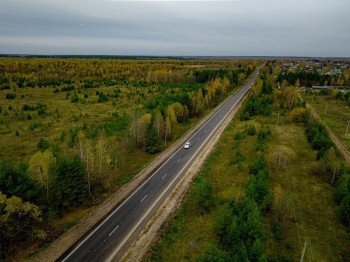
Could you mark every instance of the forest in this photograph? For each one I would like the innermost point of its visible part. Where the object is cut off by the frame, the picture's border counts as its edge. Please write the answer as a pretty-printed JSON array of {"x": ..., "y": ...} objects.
[{"x": 74, "y": 130}]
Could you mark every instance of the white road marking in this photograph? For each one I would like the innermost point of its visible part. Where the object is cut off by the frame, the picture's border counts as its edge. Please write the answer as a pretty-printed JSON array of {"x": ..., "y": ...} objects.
[
  {"x": 247, "y": 86},
  {"x": 143, "y": 198},
  {"x": 179, "y": 160},
  {"x": 116, "y": 250},
  {"x": 164, "y": 176},
  {"x": 113, "y": 231}
]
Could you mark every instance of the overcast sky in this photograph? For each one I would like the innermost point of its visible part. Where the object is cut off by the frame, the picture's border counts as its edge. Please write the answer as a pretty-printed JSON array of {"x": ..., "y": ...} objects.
[{"x": 115, "y": 27}]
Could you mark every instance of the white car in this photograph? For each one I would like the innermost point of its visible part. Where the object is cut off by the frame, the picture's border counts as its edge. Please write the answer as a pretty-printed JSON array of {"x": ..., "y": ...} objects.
[{"x": 187, "y": 145}]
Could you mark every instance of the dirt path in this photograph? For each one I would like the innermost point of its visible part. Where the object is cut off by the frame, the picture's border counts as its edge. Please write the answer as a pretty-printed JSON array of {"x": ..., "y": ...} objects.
[
  {"x": 152, "y": 230},
  {"x": 336, "y": 140}
]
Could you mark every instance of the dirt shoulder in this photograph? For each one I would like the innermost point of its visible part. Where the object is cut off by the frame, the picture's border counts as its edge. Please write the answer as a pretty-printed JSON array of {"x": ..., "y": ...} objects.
[
  {"x": 336, "y": 140},
  {"x": 151, "y": 231},
  {"x": 85, "y": 226}
]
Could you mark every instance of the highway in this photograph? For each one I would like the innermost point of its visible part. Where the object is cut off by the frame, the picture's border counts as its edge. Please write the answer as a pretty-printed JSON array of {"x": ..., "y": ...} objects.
[{"x": 111, "y": 237}]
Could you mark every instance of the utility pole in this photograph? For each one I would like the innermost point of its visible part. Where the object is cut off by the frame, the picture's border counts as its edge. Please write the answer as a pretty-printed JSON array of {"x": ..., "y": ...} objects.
[
  {"x": 303, "y": 253},
  {"x": 335, "y": 169},
  {"x": 347, "y": 127},
  {"x": 278, "y": 118},
  {"x": 325, "y": 110}
]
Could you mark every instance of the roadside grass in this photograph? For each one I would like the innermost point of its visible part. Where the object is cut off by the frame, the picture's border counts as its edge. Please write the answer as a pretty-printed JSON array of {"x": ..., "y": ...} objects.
[
  {"x": 304, "y": 202},
  {"x": 336, "y": 117},
  {"x": 190, "y": 232},
  {"x": 303, "y": 205}
]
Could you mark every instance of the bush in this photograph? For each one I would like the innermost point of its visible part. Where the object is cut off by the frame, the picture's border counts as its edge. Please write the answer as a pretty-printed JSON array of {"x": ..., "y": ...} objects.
[
  {"x": 203, "y": 193},
  {"x": 26, "y": 107},
  {"x": 279, "y": 157},
  {"x": 251, "y": 131},
  {"x": 276, "y": 230},
  {"x": 344, "y": 210},
  {"x": 15, "y": 181},
  {"x": 257, "y": 188},
  {"x": 102, "y": 97},
  {"x": 239, "y": 135},
  {"x": 318, "y": 137},
  {"x": 239, "y": 158},
  {"x": 43, "y": 144},
  {"x": 342, "y": 189},
  {"x": 257, "y": 165},
  {"x": 214, "y": 254},
  {"x": 288, "y": 244},
  {"x": 34, "y": 126},
  {"x": 298, "y": 115},
  {"x": 240, "y": 231},
  {"x": 41, "y": 110},
  {"x": 10, "y": 96},
  {"x": 263, "y": 135},
  {"x": 256, "y": 106},
  {"x": 74, "y": 98}
]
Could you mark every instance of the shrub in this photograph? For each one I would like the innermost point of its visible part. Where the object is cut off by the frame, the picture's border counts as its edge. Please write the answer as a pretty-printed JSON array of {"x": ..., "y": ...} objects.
[
  {"x": 239, "y": 157},
  {"x": 288, "y": 244},
  {"x": 10, "y": 96},
  {"x": 344, "y": 210},
  {"x": 298, "y": 115},
  {"x": 318, "y": 137},
  {"x": 256, "y": 106},
  {"x": 26, "y": 107},
  {"x": 280, "y": 157},
  {"x": 203, "y": 193},
  {"x": 239, "y": 135},
  {"x": 342, "y": 189},
  {"x": 102, "y": 97},
  {"x": 257, "y": 165},
  {"x": 41, "y": 110},
  {"x": 214, "y": 254},
  {"x": 276, "y": 230},
  {"x": 74, "y": 98},
  {"x": 251, "y": 131},
  {"x": 43, "y": 144},
  {"x": 34, "y": 126}
]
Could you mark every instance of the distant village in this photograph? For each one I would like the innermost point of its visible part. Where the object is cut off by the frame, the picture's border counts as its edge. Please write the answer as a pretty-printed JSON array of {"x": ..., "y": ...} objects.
[
  {"x": 334, "y": 69},
  {"x": 327, "y": 68}
]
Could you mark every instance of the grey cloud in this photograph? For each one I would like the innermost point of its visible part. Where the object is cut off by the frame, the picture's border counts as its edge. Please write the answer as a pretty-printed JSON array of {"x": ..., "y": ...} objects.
[{"x": 247, "y": 27}]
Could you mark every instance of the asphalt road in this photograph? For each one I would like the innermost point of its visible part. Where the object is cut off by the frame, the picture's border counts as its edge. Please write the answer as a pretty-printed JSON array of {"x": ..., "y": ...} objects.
[{"x": 111, "y": 237}]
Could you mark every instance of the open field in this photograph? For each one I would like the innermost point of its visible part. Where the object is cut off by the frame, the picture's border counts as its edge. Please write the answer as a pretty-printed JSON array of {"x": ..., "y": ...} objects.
[{"x": 303, "y": 207}]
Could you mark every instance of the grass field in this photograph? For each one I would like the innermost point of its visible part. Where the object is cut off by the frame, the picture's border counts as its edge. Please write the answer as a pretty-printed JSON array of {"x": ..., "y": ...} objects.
[
  {"x": 336, "y": 116},
  {"x": 302, "y": 203}
]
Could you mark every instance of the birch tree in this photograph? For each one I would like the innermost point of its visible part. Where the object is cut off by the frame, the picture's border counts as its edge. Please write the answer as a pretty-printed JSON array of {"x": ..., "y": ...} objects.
[{"x": 39, "y": 165}]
